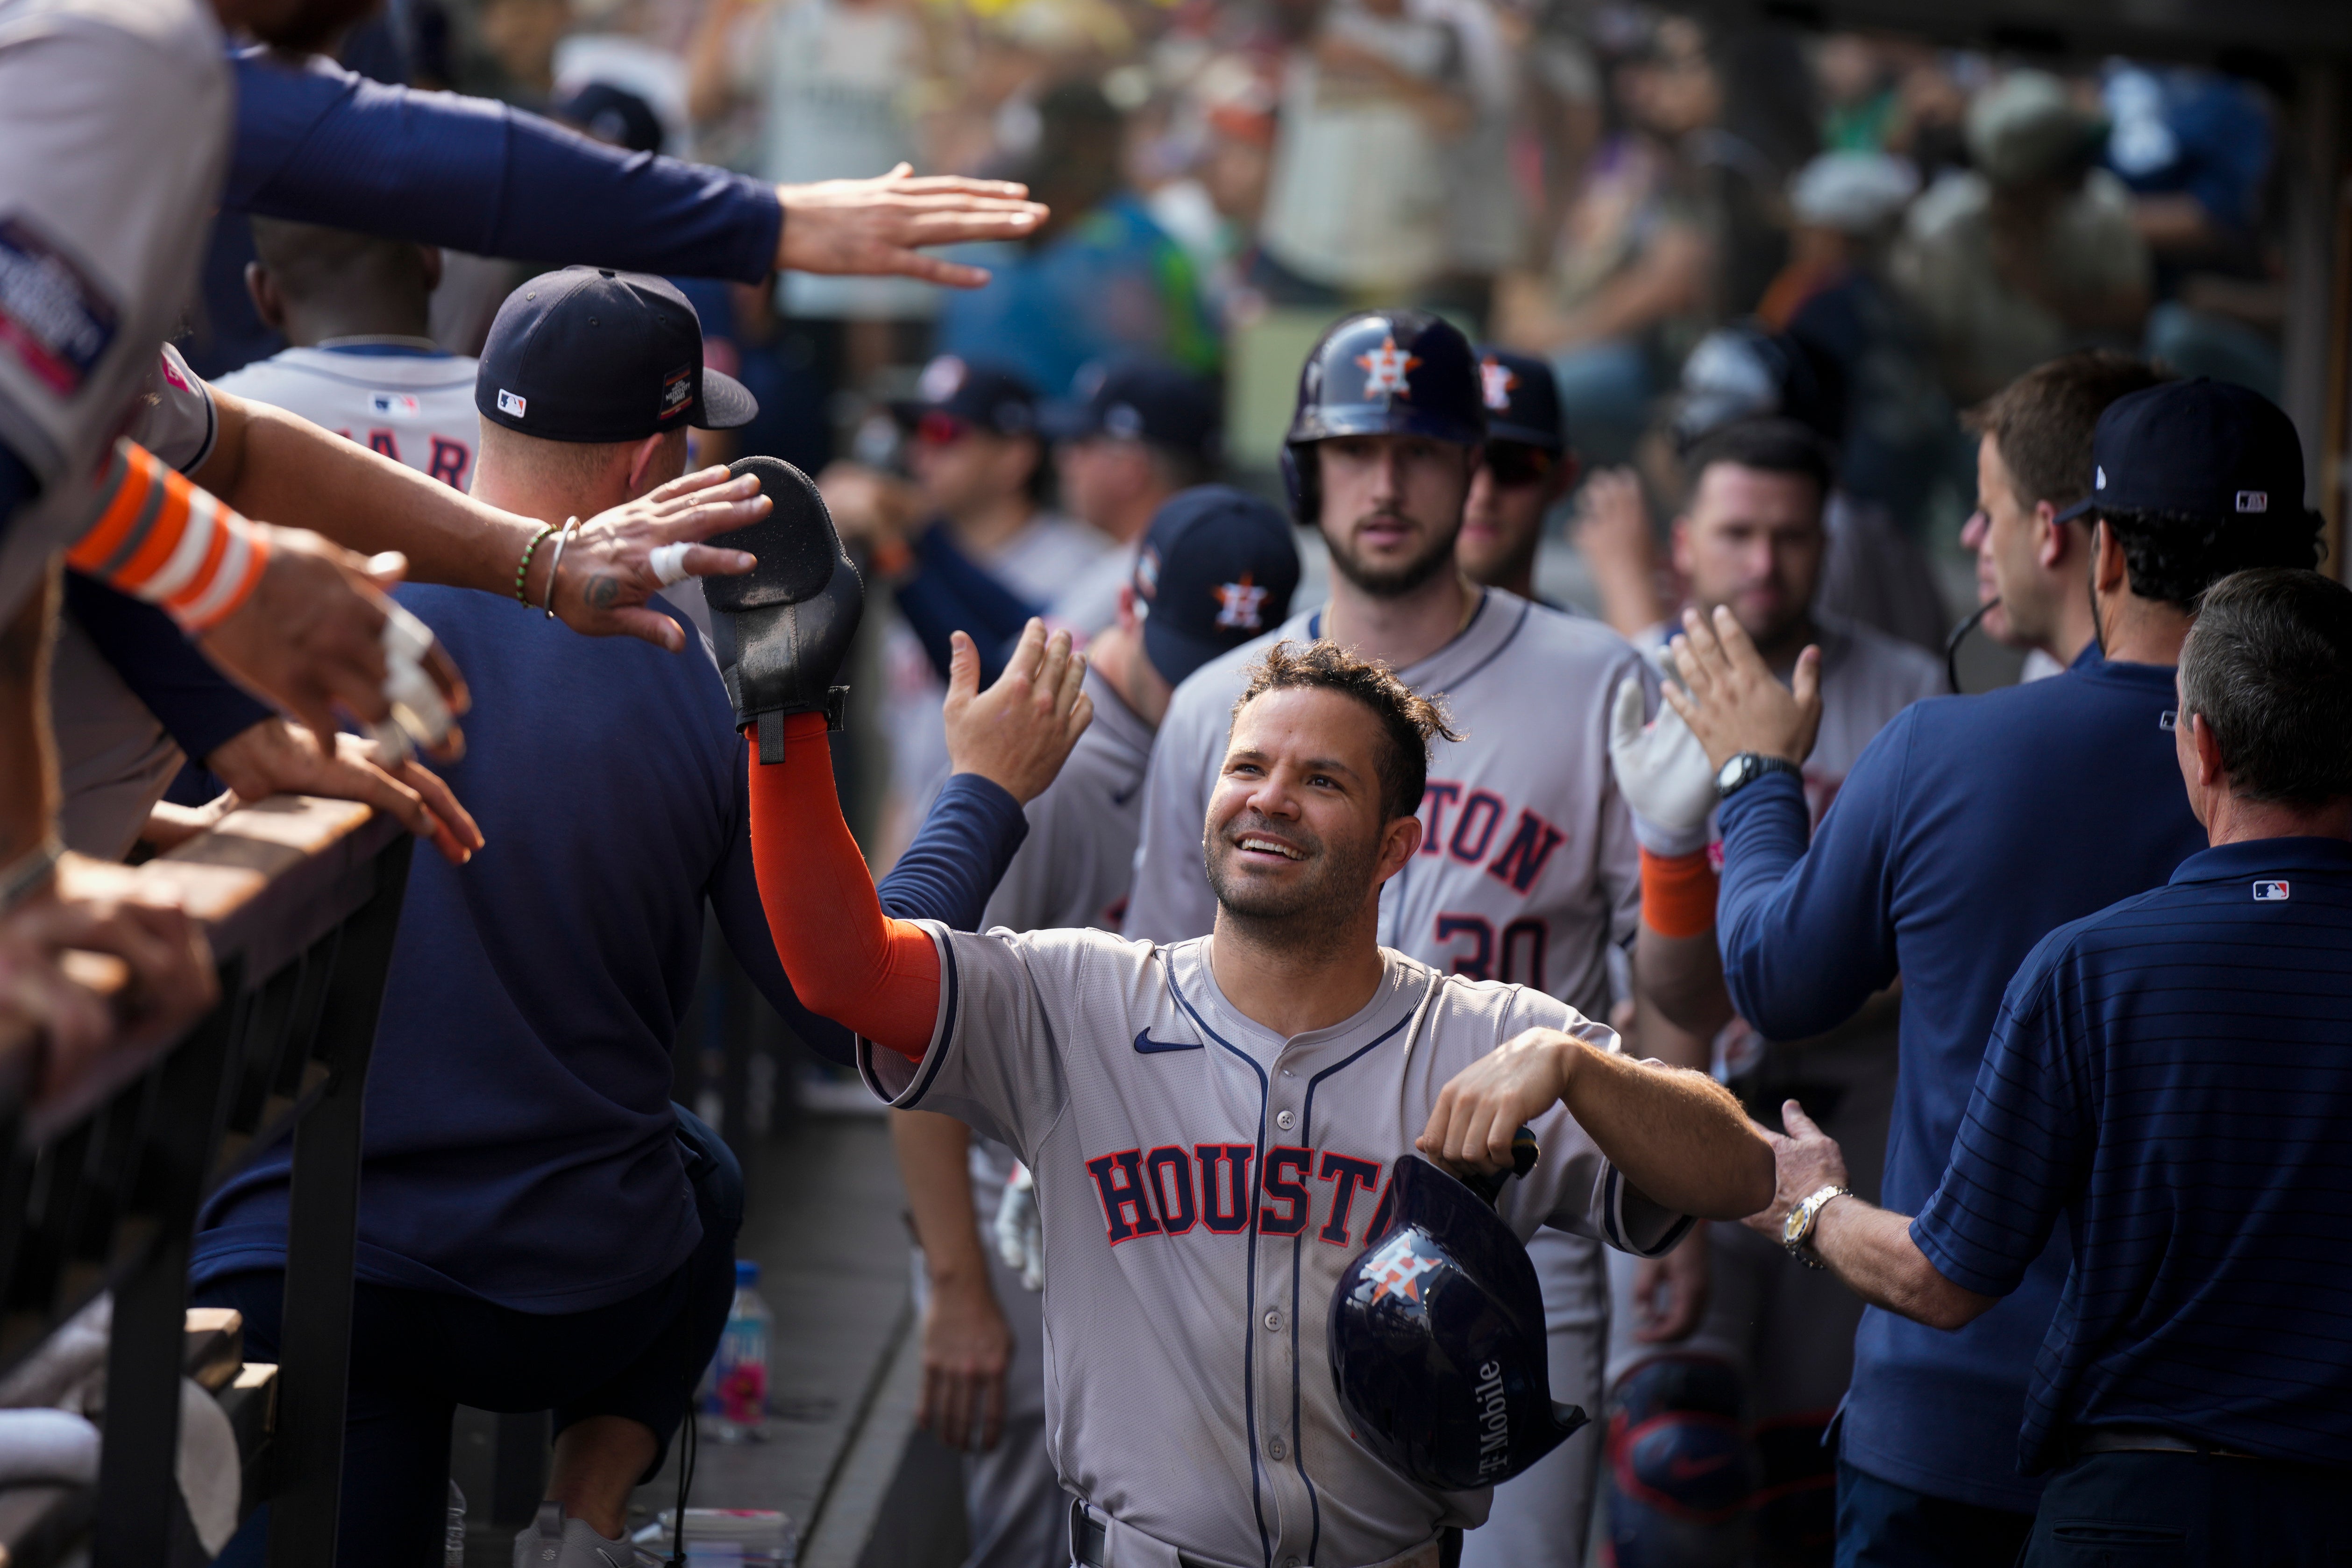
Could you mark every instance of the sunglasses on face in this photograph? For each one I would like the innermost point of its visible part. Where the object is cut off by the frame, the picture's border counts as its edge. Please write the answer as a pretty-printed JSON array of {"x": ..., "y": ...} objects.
[
  {"x": 936, "y": 429},
  {"x": 1514, "y": 466}
]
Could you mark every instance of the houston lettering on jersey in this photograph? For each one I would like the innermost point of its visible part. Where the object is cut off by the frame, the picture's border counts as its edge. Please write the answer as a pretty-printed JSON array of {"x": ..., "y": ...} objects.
[{"x": 1171, "y": 1190}]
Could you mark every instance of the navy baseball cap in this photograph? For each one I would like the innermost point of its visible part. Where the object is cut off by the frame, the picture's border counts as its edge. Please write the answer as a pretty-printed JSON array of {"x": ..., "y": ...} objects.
[
  {"x": 983, "y": 396},
  {"x": 590, "y": 354},
  {"x": 1137, "y": 399},
  {"x": 1522, "y": 400},
  {"x": 1217, "y": 569},
  {"x": 2198, "y": 448}
]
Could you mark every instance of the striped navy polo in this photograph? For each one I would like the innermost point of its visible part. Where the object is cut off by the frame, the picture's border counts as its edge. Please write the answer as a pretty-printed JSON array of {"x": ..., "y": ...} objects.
[{"x": 2174, "y": 1075}]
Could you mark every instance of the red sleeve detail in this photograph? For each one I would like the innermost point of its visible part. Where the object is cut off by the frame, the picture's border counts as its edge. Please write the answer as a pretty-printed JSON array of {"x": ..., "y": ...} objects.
[{"x": 849, "y": 963}]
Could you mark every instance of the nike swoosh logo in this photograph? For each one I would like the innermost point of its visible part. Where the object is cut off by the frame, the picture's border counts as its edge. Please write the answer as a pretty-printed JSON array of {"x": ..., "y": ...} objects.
[{"x": 1145, "y": 1045}]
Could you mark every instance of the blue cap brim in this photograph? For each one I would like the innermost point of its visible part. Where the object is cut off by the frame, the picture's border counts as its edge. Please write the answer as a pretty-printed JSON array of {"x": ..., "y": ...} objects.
[{"x": 2078, "y": 508}]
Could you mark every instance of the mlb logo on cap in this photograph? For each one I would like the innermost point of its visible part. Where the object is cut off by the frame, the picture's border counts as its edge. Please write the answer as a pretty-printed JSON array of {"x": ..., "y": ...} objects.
[
  {"x": 509, "y": 403},
  {"x": 2270, "y": 892},
  {"x": 2254, "y": 501}
]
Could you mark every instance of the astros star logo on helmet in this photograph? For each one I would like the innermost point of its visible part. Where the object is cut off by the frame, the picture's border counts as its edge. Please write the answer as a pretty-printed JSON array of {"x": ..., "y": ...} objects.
[
  {"x": 1396, "y": 1269},
  {"x": 1386, "y": 370},
  {"x": 1496, "y": 379}
]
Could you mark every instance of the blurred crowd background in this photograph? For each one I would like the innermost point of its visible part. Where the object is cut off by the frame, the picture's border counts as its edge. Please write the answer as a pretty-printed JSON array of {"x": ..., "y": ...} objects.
[{"x": 1688, "y": 220}]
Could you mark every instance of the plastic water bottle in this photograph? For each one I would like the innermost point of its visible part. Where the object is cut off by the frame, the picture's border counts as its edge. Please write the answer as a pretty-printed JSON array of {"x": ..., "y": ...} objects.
[
  {"x": 739, "y": 1372},
  {"x": 452, "y": 1543}
]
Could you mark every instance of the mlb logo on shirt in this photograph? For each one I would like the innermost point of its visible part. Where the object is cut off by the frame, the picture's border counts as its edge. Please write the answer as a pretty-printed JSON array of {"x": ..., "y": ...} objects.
[
  {"x": 382, "y": 403},
  {"x": 509, "y": 403},
  {"x": 2270, "y": 892}
]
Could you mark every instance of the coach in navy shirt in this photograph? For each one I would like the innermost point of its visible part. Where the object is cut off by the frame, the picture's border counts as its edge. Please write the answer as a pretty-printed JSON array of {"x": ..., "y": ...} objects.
[
  {"x": 540, "y": 1226},
  {"x": 2172, "y": 1076},
  {"x": 1967, "y": 830}
]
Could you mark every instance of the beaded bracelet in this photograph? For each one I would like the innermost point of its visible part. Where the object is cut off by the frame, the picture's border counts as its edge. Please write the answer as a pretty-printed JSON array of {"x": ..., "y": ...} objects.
[
  {"x": 524, "y": 570},
  {"x": 571, "y": 527}
]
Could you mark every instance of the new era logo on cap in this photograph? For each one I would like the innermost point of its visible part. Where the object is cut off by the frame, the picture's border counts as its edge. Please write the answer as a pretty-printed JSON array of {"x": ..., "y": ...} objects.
[
  {"x": 509, "y": 403},
  {"x": 2269, "y": 892},
  {"x": 2254, "y": 501}
]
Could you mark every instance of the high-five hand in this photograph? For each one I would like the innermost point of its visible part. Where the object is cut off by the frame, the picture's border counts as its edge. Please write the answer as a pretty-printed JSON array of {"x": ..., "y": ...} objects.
[
  {"x": 875, "y": 226},
  {"x": 1018, "y": 732},
  {"x": 621, "y": 557},
  {"x": 1731, "y": 699}
]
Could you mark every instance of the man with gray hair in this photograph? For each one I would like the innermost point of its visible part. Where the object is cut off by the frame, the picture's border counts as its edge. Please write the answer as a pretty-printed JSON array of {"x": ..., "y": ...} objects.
[{"x": 2168, "y": 1075}]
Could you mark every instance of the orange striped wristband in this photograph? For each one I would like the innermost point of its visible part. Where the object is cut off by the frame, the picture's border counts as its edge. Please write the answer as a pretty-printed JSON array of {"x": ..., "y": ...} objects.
[
  {"x": 1678, "y": 893},
  {"x": 160, "y": 538}
]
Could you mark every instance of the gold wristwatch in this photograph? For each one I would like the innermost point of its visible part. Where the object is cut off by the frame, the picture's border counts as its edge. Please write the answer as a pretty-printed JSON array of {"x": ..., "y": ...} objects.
[{"x": 1797, "y": 1230}]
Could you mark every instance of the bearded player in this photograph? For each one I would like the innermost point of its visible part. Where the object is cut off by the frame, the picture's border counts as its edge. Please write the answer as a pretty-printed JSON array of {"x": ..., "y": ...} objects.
[
  {"x": 1211, "y": 1124},
  {"x": 1527, "y": 869}
]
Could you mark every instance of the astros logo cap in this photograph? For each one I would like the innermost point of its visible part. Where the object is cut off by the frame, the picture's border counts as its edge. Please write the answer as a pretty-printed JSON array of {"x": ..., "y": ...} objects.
[
  {"x": 1217, "y": 571},
  {"x": 589, "y": 354}
]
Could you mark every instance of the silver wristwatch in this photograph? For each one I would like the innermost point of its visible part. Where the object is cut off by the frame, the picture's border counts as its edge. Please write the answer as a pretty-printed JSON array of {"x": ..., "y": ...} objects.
[{"x": 1797, "y": 1230}]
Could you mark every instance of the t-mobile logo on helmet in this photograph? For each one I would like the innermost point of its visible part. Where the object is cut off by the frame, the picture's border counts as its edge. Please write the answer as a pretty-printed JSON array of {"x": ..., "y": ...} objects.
[{"x": 1494, "y": 1418}]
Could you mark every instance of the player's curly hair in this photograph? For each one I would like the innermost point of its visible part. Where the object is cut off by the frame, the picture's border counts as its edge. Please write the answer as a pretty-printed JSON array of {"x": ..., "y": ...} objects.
[
  {"x": 2175, "y": 557},
  {"x": 1409, "y": 720}
]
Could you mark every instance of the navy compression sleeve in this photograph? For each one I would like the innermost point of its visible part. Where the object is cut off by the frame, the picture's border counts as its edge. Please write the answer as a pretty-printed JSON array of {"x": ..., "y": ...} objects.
[
  {"x": 199, "y": 705},
  {"x": 319, "y": 144}
]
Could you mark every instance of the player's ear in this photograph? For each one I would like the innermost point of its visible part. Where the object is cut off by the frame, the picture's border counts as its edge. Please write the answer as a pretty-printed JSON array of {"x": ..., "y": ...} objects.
[
  {"x": 268, "y": 303},
  {"x": 1128, "y": 621},
  {"x": 1399, "y": 840}
]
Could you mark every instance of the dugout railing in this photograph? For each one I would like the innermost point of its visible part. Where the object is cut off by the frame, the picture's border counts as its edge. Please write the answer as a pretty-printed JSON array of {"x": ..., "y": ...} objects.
[{"x": 101, "y": 1185}]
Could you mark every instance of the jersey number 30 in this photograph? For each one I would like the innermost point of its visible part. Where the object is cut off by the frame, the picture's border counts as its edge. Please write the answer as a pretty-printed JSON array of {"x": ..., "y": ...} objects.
[{"x": 1476, "y": 954}]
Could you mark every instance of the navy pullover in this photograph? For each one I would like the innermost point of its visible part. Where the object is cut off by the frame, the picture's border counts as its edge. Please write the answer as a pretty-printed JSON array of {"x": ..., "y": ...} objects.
[
  {"x": 1969, "y": 829},
  {"x": 519, "y": 1144},
  {"x": 2174, "y": 1075}
]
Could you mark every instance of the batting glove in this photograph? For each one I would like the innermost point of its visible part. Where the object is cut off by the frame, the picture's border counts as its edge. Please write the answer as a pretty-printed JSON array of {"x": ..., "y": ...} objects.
[{"x": 1663, "y": 772}]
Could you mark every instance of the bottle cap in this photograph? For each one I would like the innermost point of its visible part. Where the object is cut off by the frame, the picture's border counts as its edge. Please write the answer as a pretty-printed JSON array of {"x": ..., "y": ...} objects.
[{"x": 746, "y": 1273}]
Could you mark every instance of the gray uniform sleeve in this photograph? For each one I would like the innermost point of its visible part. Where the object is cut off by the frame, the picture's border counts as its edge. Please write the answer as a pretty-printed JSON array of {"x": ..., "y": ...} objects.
[
  {"x": 1007, "y": 1000},
  {"x": 113, "y": 128},
  {"x": 1170, "y": 901},
  {"x": 177, "y": 421}
]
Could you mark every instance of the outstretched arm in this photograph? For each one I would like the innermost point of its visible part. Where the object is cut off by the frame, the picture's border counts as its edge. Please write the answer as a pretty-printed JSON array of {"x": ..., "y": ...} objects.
[
  {"x": 320, "y": 144},
  {"x": 850, "y": 961},
  {"x": 1676, "y": 1134}
]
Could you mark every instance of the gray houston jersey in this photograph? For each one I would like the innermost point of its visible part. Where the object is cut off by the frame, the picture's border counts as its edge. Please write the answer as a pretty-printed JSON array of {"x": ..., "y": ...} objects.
[
  {"x": 1527, "y": 868},
  {"x": 1081, "y": 853},
  {"x": 414, "y": 408},
  {"x": 115, "y": 117},
  {"x": 1202, "y": 1182}
]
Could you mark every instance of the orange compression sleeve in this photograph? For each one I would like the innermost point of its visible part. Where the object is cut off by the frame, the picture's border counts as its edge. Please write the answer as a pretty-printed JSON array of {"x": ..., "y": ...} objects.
[
  {"x": 160, "y": 538},
  {"x": 849, "y": 963},
  {"x": 1678, "y": 893}
]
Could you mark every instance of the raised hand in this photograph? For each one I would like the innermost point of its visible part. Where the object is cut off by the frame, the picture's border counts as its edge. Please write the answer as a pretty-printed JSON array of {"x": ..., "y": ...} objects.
[
  {"x": 621, "y": 557},
  {"x": 1662, "y": 772},
  {"x": 1732, "y": 701},
  {"x": 875, "y": 226},
  {"x": 1018, "y": 732}
]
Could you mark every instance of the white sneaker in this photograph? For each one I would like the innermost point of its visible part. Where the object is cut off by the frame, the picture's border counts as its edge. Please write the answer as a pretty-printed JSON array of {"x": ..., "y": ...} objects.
[{"x": 555, "y": 1541}]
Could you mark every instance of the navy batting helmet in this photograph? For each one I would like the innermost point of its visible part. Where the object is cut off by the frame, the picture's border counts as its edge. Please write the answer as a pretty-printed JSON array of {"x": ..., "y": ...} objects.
[
  {"x": 1383, "y": 372},
  {"x": 1437, "y": 1339}
]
